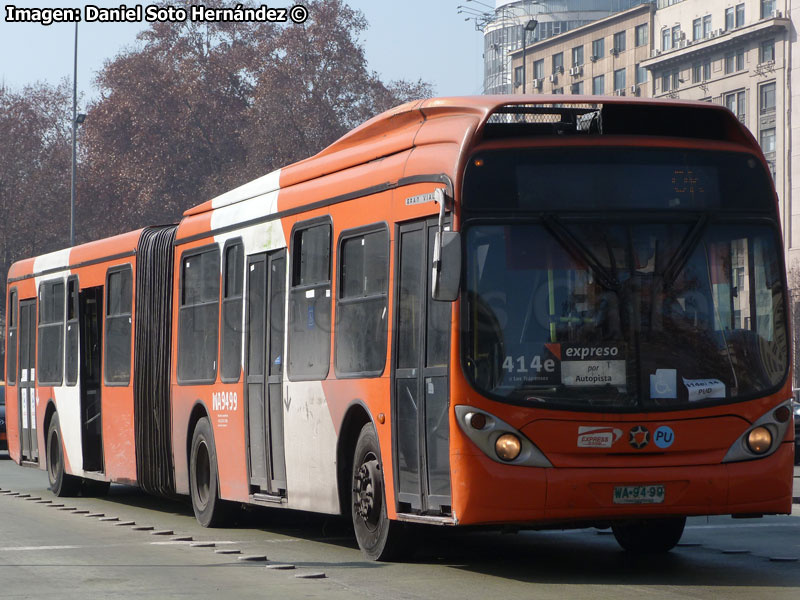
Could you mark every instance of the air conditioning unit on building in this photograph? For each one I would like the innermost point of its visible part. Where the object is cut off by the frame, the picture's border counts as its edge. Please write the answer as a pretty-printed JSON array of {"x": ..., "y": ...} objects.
[
  {"x": 714, "y": 33},
  {"x": 553, "y": 78},
  {"x": 682, "y": 44},
  {"x": 537, "y": 84},
  {"x": 777, "y": 14},
  {"x": 634, "y": 90},
  {"x": 719, "y": 32},
  {"x": 575, "y": 71},
  {"x": 614, "y": 52},
  {"x": 593, "y": 58},
  {"x": 619, "y": 92},
  {"x": 559, "y": 69},
  {"x": 655, "y": 52}
]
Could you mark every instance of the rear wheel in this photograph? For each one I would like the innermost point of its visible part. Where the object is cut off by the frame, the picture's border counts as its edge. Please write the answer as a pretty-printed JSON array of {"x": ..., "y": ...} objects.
[
  {"x": 377, "y": 536},
  {"x": 649, "y": 536},
  {"x": 209, "y": 509},
  {"x": 61, "y": 483}
]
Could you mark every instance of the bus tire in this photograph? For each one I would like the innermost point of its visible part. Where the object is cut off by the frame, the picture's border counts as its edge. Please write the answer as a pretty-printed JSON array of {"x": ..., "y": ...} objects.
[
  {"x": 209, "y": 509},
  {"x": 61, "y": 484},
  {"x": 377, "y": 536},
  {"x": 649, "y": 536}
]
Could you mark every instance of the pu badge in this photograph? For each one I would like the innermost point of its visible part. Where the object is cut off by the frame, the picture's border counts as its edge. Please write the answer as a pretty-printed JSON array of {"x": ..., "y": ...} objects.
[
  {"x": 639, "y": 437},
  {"x": 598, "y": 437}
]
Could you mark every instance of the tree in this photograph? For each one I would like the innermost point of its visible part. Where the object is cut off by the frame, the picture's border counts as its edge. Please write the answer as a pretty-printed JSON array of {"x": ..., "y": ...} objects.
[
  {"x": 198, "y": 109},
  {"x": 35, "y": 167}
]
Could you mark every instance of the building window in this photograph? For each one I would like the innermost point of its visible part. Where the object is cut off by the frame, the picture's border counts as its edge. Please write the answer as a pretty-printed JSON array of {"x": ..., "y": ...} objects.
[
  {"x": 739, "y": 15},
  {"x": 676, "y": 80},
  {"x": 665, "y": 39},
  {"x": 619, "y": 79},
  {"x": 577, "y": 56},
  {"x": 198, "y": 319},
  {"x": 51, "y": 333},
  {"x": 697, "y": 29},
  {"x": 310, "y": 302},
  {"x": 232, "y": 305},
  {"x": 362, "y": 300},
  {"x": 598, "y": 85},
  {"x": 697, "y": 73},
  {"x": 734, "y": 62},
  {"x": 558, "y": 90},
  {"x": 558, "y": 63},
  {"x": 517, "y": 76},
  {"x": 642, "y": 35},
  {"x": 599, "y": 48},
  {"x": 766, "y": 52},
  {"x": 676, "y": 36},
  {"x": 735, "y": 102},
  {"x": 707, "y": 70},
  {"x": 576, "y": 88},
  {"x": 665, "y": 81},
  {"x": 767, "y": 97},
  {"x": 729, "y": 19},
  {"x": 538, "y": 69},
  {"x": 768, "y": 140},
  {"x": 706, "y": 26},
  {"x": 119, "y": 305},
  {"x": 619, "y": 41},
  {"x": 641, "y": 74},
  {"x": 767, "y": 8}
]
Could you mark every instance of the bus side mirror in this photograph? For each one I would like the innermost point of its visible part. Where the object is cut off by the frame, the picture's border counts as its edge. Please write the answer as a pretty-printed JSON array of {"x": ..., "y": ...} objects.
[{"x": 446, "y": 266}]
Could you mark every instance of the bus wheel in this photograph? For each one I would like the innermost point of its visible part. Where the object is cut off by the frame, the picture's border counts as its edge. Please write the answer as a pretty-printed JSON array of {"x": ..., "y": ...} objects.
[
  {"x": 60, "y": 483},
  {"x": 209, "y": 509},
  {"x": 377, "y": 536},
  {"x": 649, "y": 536}
]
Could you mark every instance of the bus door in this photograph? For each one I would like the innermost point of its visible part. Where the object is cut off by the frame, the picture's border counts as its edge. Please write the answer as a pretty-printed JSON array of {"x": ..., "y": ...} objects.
[
  {"x": 420, "y": 387},
  {"x": 26, "y": 379},
  {"x": 266, "y": 299},
  {"x": 90, "y": 323}
]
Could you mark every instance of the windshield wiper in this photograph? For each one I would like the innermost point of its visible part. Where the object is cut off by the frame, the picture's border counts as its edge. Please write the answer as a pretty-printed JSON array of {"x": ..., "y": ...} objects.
[
  {"x": 580, "y": 251},
  {"x": 681, "y": 257}
]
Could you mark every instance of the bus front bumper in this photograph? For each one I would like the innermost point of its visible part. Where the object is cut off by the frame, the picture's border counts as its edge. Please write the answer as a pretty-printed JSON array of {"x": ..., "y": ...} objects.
[{"x": 486, "y": 492}]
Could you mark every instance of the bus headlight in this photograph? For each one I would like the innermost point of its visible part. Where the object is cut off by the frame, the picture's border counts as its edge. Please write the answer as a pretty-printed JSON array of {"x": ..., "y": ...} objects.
[
  {"x": 759, "y": 440},
  {"x": 507, "y": 447}
]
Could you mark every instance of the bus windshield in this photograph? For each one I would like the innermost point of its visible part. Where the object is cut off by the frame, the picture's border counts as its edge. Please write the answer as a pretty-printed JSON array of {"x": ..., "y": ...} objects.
[{"x": 594, "y": 311}]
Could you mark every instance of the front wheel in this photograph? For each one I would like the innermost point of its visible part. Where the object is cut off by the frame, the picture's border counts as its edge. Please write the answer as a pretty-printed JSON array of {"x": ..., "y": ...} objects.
[
  {"x": 209, "y": 509},
  {"x": 377, "y": 536},
  {"x": 61, "y": 484},
  {"x": 649, "y": 536}
]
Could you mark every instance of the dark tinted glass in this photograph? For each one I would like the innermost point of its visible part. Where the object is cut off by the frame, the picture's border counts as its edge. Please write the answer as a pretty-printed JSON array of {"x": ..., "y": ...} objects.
[
  {"x": 198, "y": 327},
  {"x": 231, "y": 346},
  {"x": 11, "y": 343},
  {"x": 312, "y": 255},
  {"x": 410, "y": 299},
  {"x": 51, "y": 333},
  {"x": 72, "y": 332},
  {"x": 616, "y": 179},
  {"x": 437, "y": 346},
  {"x": 119, "y": 303}
]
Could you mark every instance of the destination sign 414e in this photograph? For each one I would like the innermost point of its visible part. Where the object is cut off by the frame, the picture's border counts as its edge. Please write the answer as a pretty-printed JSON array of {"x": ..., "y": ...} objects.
[{"x": 568, "y": 364}]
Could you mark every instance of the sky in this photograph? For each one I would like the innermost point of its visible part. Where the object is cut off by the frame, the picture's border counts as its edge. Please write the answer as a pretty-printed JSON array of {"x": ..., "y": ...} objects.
[{"x": 411, "y": 39}]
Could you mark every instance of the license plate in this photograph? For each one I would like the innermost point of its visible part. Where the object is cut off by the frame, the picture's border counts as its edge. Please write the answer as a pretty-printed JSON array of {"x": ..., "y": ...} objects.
[{"x": 639, "y": 494}]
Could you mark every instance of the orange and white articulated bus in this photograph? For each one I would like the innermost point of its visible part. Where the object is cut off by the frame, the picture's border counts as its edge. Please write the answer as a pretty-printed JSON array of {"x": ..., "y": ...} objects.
[{"x": 543, "y": 313}]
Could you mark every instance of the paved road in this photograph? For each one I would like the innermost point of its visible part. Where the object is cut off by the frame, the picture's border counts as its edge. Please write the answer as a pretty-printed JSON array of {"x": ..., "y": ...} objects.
[{"x": 48, "y": 552}]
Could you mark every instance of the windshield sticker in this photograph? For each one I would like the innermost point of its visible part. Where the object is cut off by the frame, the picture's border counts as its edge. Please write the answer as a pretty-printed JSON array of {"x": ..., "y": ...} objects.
[
  {"x": 700, "y": 389},
  {"x": 664, "y": 384},
  {"x": 638, "y": 437},
  {"x": 592, "y": 365},
  {"x": 598, "y": 437},
  {"x": 663, "y": 437}
]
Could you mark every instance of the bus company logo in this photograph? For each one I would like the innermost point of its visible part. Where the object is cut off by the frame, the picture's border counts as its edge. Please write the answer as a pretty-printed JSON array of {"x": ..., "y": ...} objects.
[
  {"x": 639, "y": 437},
  {"x": 598, "y": 437},
  {"x": 663, "y": 437}
]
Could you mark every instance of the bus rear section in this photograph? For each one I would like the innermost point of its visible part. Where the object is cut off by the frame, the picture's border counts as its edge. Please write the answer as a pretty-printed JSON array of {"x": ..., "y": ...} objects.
[{"x": 624, "y": 338}]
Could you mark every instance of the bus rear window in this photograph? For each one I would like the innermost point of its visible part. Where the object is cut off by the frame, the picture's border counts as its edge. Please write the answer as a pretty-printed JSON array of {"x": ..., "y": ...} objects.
[{"x": 581, "y": 179}]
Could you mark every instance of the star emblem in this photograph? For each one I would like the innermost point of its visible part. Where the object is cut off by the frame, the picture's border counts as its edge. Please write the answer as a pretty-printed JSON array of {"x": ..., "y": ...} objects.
[{"x": 639, "y": 437}]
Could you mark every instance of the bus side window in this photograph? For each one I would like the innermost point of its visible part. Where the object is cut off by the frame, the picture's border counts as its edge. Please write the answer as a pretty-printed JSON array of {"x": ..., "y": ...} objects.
[
  {"x": 362, "y": 302},
  {"x": 198, "y": 320},
  {"x": 11, "y": 344},
  {"x": 119, "y": 309},
  {"x": 72, "y": 331},
  {"x": 51, "y": 333},
  {"x": 310, "y": 302},
  {"x": 231, "y": 345}
]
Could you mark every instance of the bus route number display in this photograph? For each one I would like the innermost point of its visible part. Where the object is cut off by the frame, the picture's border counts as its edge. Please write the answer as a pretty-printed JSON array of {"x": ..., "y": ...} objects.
[{"x": 573, "y": 365}]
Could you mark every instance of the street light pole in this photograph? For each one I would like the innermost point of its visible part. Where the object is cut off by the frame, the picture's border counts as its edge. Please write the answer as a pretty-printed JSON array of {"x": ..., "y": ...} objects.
[
  {"x": 529, "y": 26},
  {"x": 74, "y": 132}
]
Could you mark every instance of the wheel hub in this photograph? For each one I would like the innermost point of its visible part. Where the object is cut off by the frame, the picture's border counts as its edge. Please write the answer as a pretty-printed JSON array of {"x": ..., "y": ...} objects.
[{"x": 367, "y": 493}]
